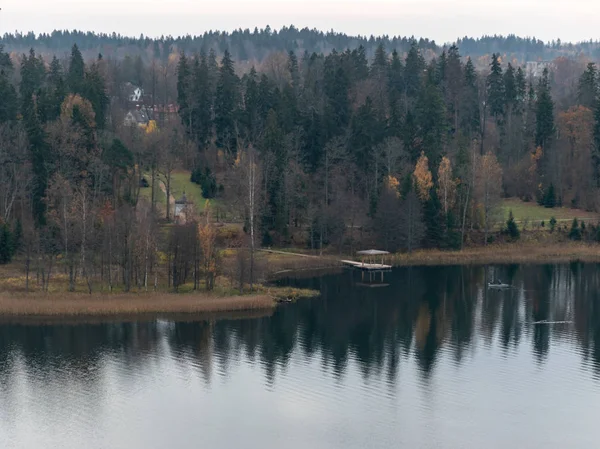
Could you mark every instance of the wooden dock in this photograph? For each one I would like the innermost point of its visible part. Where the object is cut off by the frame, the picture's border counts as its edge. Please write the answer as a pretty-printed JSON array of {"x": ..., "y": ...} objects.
[{"x": 366, "y": 266}]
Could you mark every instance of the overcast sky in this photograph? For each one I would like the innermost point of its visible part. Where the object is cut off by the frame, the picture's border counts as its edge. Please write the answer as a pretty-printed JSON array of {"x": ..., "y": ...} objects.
[{"x": 442, "y": 20}]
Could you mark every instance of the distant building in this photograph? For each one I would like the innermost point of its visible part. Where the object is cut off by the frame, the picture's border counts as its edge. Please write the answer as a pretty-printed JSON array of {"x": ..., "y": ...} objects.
[
  {"x": 181, "y": 209},
  {"x": 133, "y": 93},
  {"x": 535, "y": 69},
  {"x": 140, "y": 116}
]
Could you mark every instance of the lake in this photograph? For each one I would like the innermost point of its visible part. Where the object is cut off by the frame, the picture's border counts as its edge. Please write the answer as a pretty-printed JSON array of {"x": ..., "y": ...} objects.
[{"x": 431, "y": 359}]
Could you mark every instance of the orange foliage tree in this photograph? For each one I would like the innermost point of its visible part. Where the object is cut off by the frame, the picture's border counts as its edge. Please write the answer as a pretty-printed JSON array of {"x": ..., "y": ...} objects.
[{"x": 423, "y": 178}]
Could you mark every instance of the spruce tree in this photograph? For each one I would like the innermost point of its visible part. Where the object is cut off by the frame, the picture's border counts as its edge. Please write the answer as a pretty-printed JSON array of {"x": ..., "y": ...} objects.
[
  {"x": 226, "y": 105},
  {"x": 495, "y": 86},
  {"x": 470, "y": 98},
  {"x": 596, "y": 146},
  {"x": 544, "y": 112},
  {"x": 511, "y": 227},
  {"x": 6, "y": 245},
  {"x": 183, "y": 91},
  {"x": 587, "y": 93},
  {"x": 75, "y": 77},
  {"x": 94, "y": 90}
]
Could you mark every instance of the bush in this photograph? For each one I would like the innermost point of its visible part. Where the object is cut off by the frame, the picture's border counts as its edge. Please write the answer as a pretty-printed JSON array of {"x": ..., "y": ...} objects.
[
  {"x": 207, "y": 182},
  {"x": 511, "y": 227},
  {"x": 550, "y": 197},
  {"x": 6, "y": 244},
  {"x": 575, "y": 232},
  {"x": 552, "y": 224}
]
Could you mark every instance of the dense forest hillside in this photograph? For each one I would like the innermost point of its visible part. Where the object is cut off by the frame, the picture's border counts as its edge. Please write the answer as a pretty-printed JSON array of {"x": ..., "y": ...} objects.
[
  {"x": 391, "y": 142},
  {"x": 255, "y": 45}
]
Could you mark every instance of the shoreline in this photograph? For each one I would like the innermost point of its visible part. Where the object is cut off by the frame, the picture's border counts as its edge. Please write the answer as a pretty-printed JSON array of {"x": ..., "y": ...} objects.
[
  {"x": 508, "y": 253},
  {"x": 80, "y": 305}
]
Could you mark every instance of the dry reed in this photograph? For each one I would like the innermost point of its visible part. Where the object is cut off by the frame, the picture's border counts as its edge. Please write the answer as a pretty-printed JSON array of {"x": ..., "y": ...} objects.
[
  {"x": 502, "y": 254},
  {"x": 75, "y": 304}
]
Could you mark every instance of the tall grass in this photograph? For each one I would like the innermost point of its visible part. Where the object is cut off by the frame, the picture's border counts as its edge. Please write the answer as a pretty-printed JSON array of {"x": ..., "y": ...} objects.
[
  {"x": 503, "y": 254},
  {"x": 76, "y": 304}
]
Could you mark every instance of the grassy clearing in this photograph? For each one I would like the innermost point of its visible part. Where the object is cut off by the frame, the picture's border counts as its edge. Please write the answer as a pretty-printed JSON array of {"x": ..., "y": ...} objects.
[
  {"x": 503, "y": 254},
  {"x": 146, "y": 193},
  {"x": 535, "y": 214},
  {"x": 180, "y": 183}
]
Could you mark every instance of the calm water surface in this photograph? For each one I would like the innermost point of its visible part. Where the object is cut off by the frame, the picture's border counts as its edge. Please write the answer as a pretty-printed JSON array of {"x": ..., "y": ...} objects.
[{"x": 432, "y": 360}]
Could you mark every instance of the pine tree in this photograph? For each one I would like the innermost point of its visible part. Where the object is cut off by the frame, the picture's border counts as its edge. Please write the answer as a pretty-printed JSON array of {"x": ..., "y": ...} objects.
[
  {"x": 495, "y": 86},
  {"x": 75, "y": 77}
]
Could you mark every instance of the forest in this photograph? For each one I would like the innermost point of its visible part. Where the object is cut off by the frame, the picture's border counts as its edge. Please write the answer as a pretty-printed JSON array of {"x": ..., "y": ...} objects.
[{"x": 404, "y": 148}]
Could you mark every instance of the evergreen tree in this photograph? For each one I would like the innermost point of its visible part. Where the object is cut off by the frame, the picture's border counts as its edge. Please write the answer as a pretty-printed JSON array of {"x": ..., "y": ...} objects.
[
  {"x": 413, "y": 70},
  {"x": 226, "y": 105},
  {"x": 454, "y": 86},
  {"x": 201, "y": 102},
  {"x": 183, "y": 91},
  {"x": 575, "y": 232},
  {"x": 495, "y": 86},
  {"x": 337, "y": 85},
  {"x": 94, "y": 90},
  {"x": 395, "y": 93},
  {"x": 596, "y": 146},
  {"x": 544, "y": 113},
  {"x": 431, "y": 117},
  {"x": 511, "y": 227},
  {"x": 550, "y": 197},
  {"x": 471, "y": 115},
  {"x": 8, "y": 94},
  {"x": 6, "y": 244},
  {"x": 54, "y": 94},
  {"x": 588, "y": 87},
  {"x": 521, "y": 90},
  {"x": 75, "y": 77},
  {"x": 510, "y": 87},
  {"x": 294, "y": 72}
]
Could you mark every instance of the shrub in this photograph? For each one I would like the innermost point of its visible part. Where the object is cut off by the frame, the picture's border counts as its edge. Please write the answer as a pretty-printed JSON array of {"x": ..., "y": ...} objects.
[
  {"x": 511, "y": 227},
  {"x": 575, "y": 232},
  {"x": 552, "y": 224},
  {"x": 550, "y": 197},
  {"x": 207, "y": 182}
]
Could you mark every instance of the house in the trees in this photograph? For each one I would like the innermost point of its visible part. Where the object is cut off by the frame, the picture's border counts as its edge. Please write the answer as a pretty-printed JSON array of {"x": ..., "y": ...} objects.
[
  {"x": 140, "y": 116},
  {"x": 535, "y": 69},
  {"x": 133, "y": 93}
]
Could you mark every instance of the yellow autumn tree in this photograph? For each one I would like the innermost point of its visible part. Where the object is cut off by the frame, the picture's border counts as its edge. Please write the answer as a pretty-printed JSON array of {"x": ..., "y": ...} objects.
[
  {"x": 392, "y": 183},
  {"x": 446, "y": 185},
  {"x": 207, "y": 236},
  {"x": 423, "y": 178}
]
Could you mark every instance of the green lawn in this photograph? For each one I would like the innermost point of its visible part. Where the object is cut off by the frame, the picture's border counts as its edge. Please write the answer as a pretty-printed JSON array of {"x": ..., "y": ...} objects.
[
  {"x": 146, "y": 192},
  {"x": 534, "y": 213},
  {"x": 180, "y": 183}
]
